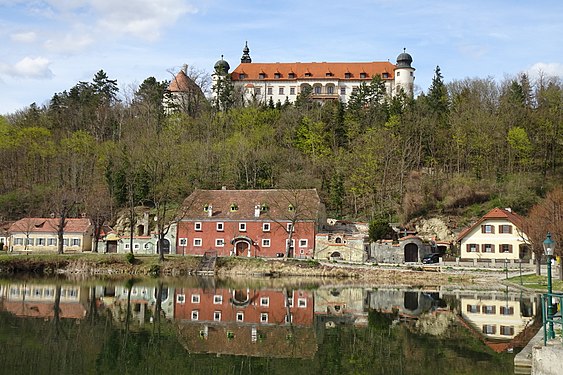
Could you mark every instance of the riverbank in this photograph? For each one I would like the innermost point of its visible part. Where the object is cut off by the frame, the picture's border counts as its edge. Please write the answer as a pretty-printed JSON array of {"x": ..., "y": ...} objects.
[{"x": 119, "y": 266}]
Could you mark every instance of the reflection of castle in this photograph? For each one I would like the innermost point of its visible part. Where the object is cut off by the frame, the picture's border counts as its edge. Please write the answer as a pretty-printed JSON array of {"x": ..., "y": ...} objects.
[
  {"x": 272, "y": 323},
  {"x": 37, "y": 301},
  {"x": 340, "y": 305}
]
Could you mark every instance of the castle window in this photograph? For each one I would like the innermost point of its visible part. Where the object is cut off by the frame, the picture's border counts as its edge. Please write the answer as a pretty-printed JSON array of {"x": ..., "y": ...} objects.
[
  {"x": 363, "y": 75},
  {"x": 292, "y": 91},
  {"x": 277, "y": 75},
  {"x": 270, "y": 90},
  {"x": 347, "y": 75},
  {"x": 262, "y": 75},
  {"x": 280, "y": 91},
  {"x": 386, "y": 75},
  {"x": 291, "y": 75},
  {"x": 329, "y": 74},
  {"x": 258, "y": 91},
  {"x": 343, "y": 91},
  {"x": 308, "y": 74},
  {"x": 242, "y": 76},
  {"x": 398, "y": 74},
  {"x": 330, "y": 90}
]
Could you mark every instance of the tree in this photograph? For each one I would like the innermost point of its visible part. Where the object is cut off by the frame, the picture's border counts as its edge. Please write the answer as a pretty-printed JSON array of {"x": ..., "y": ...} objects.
[{"x": 380, "y": 229}]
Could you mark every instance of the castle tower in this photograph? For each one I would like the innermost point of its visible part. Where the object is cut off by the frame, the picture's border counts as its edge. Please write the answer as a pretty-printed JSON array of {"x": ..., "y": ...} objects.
[
  {"x": 404, "y": 74},
  {"x": 245, "y": 59}
]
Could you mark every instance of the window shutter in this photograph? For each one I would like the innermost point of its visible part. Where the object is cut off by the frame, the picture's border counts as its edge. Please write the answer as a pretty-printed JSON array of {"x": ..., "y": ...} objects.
[
  {"x": 468, "y": 308},
  {"x": 482, "y": 229},
  {"x": 482, "y": 248},
  {"x": 492, "y": 229},
  {"x": 467, "y": 248},
  {"x": 492, "y": 248},
  {"x": 510, "y": 248},
  {"x": 510, "y": 229}
]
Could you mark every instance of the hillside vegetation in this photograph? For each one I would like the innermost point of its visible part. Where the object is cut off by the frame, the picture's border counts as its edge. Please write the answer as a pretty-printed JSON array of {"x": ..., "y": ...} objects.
[{"x": 459, "y": 149}]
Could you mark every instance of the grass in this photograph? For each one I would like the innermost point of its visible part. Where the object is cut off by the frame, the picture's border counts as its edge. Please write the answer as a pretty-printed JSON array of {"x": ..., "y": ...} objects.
[{"x": 538, "y": 282}]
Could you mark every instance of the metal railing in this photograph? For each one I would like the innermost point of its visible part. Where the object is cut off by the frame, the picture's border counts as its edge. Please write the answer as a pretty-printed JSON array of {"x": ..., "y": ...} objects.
[{"x": 550, "y": 315}]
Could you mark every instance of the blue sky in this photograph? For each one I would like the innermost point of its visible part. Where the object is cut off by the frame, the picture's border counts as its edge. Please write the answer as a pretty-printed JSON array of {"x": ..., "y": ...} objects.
[{"x": 48, "y": 46}]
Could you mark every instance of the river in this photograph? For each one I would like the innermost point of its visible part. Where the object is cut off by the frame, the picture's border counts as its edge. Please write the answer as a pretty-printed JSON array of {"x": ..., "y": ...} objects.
[{"x": 208, "y": 326}]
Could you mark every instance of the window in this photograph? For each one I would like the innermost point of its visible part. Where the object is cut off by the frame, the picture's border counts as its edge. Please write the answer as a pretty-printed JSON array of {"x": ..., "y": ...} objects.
[
  {"x": 263, "y": 317},
  {"x": 473, "y": 309},
  {"x": 488, "y": 248},
  {"x": 277, "y": 75},
  {"x": 217, "y": 316},
  {"x": 195, "y": 315},
  {"x": 290, "y": 227},
  {"x": 240, "y": 316},
  {"x": 288, "y": 302},
  {"x": 301, "y": 302},
  {"x": 303, "y": 243},
  {"x": 136, "y": 246},
  {"x": 507, "y": 330},
  {"x": 317, "y": 89},
  {"x": 487, "y": 229},
  {"x": 65, "y": 242},
  {"x": 18, "y": 241},
  {"x": 291, "y": 75},
  {"x": 183, "y": 242},
  {"x": 270, "y": 91},
  {"x": 308, "y": 74},
  {"x": 354, "y": 89},
  {"x": 217, "y": 299},
  {"x": 363, "y": 75},
  {"x": 51, "y": 242},
  {"x": 489, "y": 309},
  {"x": 280, "y": 91},
  {"x": 181, "y": 298},
  {"x": 398, "y": 74},
  {"x": 347, "y": 75},
  {"x": 265, "y": 242},
  {"x": 242, "y": 227},
  {"x": 505, "y": 248},
  {"x": 75, "y": 242},
  {"x": 258, "y": 91},
  {"x": 242, "y": 76},
  {"x": 471, "y": 248},
  {"x": 343, "y": 91},
  {"x": 127, "y": 246},
  {"x": 197, "y": 242},
  {"x": 330, "y": 89},
  {"x": 265, "y": 227},
  {"x": 264, "y": 301},
  {"x": 385, "y": 75},
  {"x": 234, "y": 207},
  {"x": 29, "y": 241},
  {"x": 505, "y": 229},
  {"x": 289, "y": 318},
  {"x": 262, "y": 75},
  {"x": 506, "y": 310},
  {"x": 220, "y": 227},
  {"x": 219, "y": 242},
  {"x": 195, "y": 298},
  {"x": 489, "y": 329},
  {"x": 292, "y": 246},
  {"x": 40, "y": 242},
  {"x": 197, "y": 226},
  {"x": 292, "y": 91}
]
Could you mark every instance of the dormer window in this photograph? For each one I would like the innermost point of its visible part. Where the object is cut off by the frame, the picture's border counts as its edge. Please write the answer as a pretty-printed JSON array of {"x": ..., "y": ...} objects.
[
  {"x": 264, "y": 207},
  {"x": 363, "y": 75},
  {"x": 277, "y": 75},
  {"x": 385, "y": 75},
  {"x": 291, "y": 208},
  {"x": 242, "y": 76},
  {"x": 262, "y": 75},
  {"x": 206, "y": 208},
  {"x": 347, "y": 75},
  {"x": 308, "y": 74},
  {"x": 329, "y": 74},
  {"x": 234, "y": 207},
  {"x": 291, "y": 75}
]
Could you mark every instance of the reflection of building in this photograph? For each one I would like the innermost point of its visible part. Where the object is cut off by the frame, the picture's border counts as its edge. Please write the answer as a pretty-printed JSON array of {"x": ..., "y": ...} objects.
[
  {"x": 40, "y": 234},
  {"x": 404, "y": 303},
  {"x": 281, "y": 82},
  {"x": 343, "y": 241},
  {"x": 341, "y": 305},
  {"x": 498, "y": 318},
  {"x": 250, "y": 223},
  {"x": 269, "y": 323},
  {"x": 37, "y": 301},
  {"x": 497, "y": 235},
  {"x": 142, "y": 299}
]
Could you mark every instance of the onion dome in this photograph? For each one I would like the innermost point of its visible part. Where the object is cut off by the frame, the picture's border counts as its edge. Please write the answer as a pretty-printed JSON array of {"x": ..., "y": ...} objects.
[
  {"x": 404, "y": 60},
  {"x": 222, "y": 66}
]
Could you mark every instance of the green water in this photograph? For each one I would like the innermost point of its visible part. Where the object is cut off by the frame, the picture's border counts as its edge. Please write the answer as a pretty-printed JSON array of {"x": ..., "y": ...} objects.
[{"x": 206, "y": 327}]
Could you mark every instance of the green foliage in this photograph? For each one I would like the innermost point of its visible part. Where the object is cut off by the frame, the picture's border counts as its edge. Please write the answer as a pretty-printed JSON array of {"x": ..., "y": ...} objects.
[
  {"x": 380, "y": 230},
  {"x": 130, "y": 258}
]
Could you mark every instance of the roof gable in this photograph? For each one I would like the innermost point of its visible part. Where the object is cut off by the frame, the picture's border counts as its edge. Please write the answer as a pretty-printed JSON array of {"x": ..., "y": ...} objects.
[{"x": 494, "y": 214}]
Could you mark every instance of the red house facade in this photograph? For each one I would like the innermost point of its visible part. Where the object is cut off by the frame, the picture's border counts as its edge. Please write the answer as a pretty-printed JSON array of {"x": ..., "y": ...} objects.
[{"x": 250, "y": 223}]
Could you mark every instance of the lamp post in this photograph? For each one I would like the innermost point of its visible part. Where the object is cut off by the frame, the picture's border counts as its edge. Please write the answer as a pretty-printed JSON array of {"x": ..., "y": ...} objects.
[{"x": 548, "y": 246}]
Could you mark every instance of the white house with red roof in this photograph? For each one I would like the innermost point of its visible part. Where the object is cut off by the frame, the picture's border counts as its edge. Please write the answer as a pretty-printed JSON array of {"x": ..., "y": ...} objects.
[
  {"x": 40, "y": 235},
  {"x": 497, "y": 235},
  {"x": 326, "y": 80}
]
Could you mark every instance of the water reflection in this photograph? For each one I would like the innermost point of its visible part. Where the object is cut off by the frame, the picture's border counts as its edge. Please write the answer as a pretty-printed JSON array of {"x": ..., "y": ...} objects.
[{"x": 327, "y": 328}]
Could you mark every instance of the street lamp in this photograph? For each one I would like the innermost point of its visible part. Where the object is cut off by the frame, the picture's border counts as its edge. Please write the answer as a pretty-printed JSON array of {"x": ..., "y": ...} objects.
[{"x": 548, "y": 246}]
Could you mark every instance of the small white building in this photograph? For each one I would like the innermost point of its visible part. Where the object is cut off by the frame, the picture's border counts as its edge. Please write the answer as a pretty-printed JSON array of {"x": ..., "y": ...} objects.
[{"x": 497, "y": 235}]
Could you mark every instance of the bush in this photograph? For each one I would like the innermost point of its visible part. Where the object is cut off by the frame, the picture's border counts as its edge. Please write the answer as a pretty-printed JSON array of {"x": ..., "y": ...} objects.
[{"x": 130, "y": 258}]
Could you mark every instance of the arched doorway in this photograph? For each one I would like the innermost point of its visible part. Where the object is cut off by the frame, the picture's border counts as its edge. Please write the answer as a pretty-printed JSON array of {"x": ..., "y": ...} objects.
[
  {"x": 411, "y": 252},
  {"x": 411, "y": 301},
  {"x": 164, "y": 246},
  {"x": 241, "y": 246}
]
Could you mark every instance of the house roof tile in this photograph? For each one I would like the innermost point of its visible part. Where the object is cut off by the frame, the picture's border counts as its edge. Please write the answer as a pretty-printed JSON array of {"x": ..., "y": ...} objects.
[
  {"x": 495, "y": 213},
  {"x": 49, "y": 225}
]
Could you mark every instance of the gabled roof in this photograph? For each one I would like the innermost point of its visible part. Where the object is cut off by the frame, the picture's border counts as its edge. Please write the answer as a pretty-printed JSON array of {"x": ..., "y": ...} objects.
[
  {"x": 274, "y": 204},
  {"x": 49, "y": 225},
  {"x": 314, "y": 70},
  {"x": 495, "y": 213},
  {"x": 183, "y": 83}
]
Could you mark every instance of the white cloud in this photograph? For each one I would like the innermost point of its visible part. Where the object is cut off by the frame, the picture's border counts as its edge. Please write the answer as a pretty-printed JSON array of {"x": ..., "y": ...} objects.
[
  {"x": 68, "y": 43},
  {"x": 28, "y": 67},
  {"x": 546, "y": 69},
  {"x": 28, "y": 37}
]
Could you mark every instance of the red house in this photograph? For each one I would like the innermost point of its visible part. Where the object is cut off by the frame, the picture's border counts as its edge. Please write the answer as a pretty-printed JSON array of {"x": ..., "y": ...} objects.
[{"x": 250, "y": 223}]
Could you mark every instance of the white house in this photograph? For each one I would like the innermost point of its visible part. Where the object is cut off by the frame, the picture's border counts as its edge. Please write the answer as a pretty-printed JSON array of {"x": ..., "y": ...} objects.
[
  {"x": 326, "y": 80},
  {"x": 497, "y": 235}
]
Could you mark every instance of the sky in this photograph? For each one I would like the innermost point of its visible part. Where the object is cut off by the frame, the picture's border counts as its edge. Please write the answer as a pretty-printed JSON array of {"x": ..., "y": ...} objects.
[{"x": 48, "y": 46}]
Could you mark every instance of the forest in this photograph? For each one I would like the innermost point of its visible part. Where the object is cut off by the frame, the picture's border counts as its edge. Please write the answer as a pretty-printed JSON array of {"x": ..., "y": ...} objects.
[{"x": 93, "y": 149}]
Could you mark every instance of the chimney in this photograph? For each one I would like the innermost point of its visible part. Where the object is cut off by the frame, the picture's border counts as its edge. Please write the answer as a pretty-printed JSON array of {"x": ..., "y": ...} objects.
[
  {"x": 185, "y": 69},
  {"x": 508, "y": 209},
  {"x": 210, "y": 210},
  {"x": 257, "y": 210}
]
